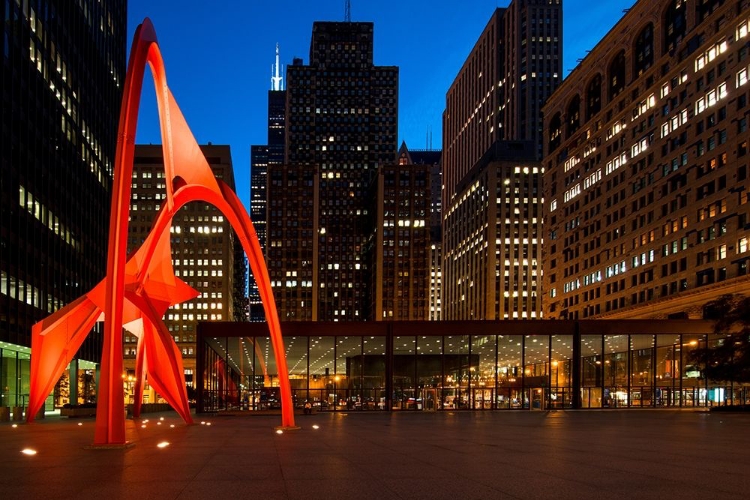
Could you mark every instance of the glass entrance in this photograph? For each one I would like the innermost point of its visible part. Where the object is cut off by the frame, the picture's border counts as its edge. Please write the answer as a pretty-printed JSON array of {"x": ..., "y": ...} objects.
[{"x": 430, "y": 399}]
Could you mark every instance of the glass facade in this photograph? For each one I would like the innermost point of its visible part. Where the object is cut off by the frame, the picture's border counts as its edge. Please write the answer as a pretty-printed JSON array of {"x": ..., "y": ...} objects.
[
  {"x": 15, "y": 367},
  {"x": 460, "y": 366},
  {"x": 14, "y": 375}
]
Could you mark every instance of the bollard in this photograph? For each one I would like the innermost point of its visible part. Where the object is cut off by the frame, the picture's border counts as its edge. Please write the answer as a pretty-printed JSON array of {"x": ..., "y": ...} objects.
[{"x": 18, "y": 413}]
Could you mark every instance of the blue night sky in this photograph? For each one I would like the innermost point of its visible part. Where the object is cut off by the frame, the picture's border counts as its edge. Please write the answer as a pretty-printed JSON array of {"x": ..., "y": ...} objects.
[{"x": 218, "y": 58}]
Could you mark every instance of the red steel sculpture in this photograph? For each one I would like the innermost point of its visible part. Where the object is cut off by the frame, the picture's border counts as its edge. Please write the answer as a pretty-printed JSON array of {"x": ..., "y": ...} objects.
[{"x": 138, "y": 290}]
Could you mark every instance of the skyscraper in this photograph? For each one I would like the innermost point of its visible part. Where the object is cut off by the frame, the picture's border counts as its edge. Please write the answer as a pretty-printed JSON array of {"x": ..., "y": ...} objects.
[
  {"x": 492, "y": 144},
  {"x": 431, "y": 158},
  {"x": 646, "y": 166},
  {"x": 63, "y": 66},
  {"x": 498, "y": 93},
  {"x": 341, "y": 123},
  {"x": 261, "y": 157},
  {"x": 398, "y": 249}
]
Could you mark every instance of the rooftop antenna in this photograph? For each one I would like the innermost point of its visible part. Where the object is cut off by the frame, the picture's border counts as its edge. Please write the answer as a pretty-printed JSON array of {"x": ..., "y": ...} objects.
[
  {"x": 348, "y": 11},
  {"x": 276, "y": 79}
]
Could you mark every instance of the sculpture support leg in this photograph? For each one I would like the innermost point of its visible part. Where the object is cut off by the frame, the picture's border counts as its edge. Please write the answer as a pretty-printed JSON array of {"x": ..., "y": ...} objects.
[{"x": 139, "y": 376}]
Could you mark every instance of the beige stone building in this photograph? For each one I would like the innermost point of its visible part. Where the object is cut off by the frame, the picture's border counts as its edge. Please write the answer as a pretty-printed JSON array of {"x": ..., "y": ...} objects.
[{"x": 646, "y": 157}]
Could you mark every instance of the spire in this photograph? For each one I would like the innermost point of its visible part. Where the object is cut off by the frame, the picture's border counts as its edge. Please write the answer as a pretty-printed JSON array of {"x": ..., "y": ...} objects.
[
  {"x": 348, "y": 11},
  {"x": 277, "y": 82}
]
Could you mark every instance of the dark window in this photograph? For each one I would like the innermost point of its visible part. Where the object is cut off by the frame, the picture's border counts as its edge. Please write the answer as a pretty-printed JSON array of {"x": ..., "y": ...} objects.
[
  {"x": 616, "y": 75},
  {"x": 555, "y": 131},
  {"x": 574, "y": 118},
  {"x": 594, "y": 96},
  {"x": 674, "y": 23},
  {"x": 644, "y": 50}
]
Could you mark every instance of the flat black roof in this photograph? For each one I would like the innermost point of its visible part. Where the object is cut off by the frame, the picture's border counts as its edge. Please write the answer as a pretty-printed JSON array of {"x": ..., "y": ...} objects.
[{"x": 440, "y": 328}]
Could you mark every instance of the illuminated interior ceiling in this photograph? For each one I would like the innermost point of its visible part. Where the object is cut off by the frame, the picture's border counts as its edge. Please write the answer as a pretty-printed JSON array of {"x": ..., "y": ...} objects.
[{"x": 241, "y": 353}]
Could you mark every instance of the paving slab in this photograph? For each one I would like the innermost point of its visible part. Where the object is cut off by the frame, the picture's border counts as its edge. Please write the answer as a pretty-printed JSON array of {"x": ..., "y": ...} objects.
[{"x": 401, "y": 455}]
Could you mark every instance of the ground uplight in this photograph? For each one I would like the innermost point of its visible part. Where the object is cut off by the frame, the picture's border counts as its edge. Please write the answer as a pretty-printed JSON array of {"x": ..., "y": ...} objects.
[
  {"x": 316, "y": 426},
  {"x": 163, "y": 444},
  {"x": 279, "y": 431},
  {"x": 28, "y": 451}
]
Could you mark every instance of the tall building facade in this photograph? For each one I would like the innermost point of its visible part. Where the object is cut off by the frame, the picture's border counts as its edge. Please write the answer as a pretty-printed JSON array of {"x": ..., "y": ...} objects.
[
  {"x": 260, "y": 157},
  {"x": 398, "y": 249},
  {"x": 493, "y": 114},
  {"x": 432, "y": 158},
  {"x": 646, "y": 166},
  {"x": 494, "y": 238},
  {"x": 203, "y": 250},
  {"x": 341, "y": 125},
  {"x": 498, "y": 93},
  {"x": 436, "y": 239},
  {"x": 63, "y": 66}
]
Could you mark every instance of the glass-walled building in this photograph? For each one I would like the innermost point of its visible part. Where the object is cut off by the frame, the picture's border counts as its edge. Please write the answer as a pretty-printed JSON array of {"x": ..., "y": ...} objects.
[
  {"x": 485, "y": 365},
  {"x": 62, "y": 67}
]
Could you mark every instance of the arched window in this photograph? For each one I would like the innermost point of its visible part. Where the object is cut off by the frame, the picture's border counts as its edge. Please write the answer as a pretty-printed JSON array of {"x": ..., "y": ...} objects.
[
  {"x": 594, "y": 96},
  {"x": 616, "y": 75},
  {"x": 674, "y": 24},
  {"x": 555, "y": 132},
  {"x": 644, "y": 50},
  {"x": 573, "y": 120}
]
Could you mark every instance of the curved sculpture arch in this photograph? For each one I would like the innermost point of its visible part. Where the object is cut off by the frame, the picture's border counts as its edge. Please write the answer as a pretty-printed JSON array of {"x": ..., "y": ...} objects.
[{"x": 141, "y": 289}]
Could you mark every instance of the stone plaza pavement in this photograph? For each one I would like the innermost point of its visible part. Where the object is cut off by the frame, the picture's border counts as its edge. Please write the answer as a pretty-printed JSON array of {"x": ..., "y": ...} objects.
[{"x": 488, "y": 455}]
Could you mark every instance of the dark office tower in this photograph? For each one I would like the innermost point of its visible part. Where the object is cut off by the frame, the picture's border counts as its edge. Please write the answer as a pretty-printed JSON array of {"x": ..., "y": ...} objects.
[
  {"x": 262, "y": 156},
  {"x": 492, "y": 129},
  {"x": 240, "y": 300},
  {"x": 341, "y": 123},
  {"x": 258, "y": 173},
  {"x": 203, "y": 250},
  {"x": 532, "y": 65},
  {"x": 647, "y": 166},
  {"x": 433, "y": 159},
  {"x": 63, "y": 66},
  {"x": 499, "y": 92},
  {"x": 398, "y": 248}
]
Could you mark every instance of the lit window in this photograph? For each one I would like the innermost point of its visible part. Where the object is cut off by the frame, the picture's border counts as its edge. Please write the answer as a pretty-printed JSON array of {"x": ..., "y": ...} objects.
[
  {"x": 743, "y": 29},
  {"x": 742, "y": 77},
  {"x": 721, "y": 252},
  {"x": 742, "y": 245}
]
